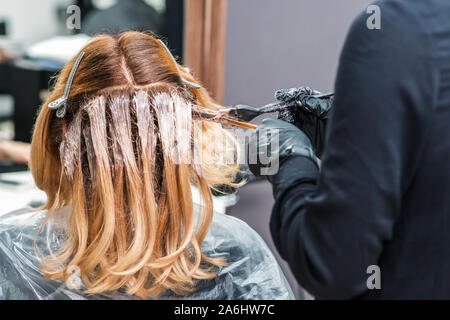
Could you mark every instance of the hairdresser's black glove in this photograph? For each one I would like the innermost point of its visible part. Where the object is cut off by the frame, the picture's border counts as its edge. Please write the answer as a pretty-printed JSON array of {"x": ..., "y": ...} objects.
[
  {"x": 272, "y": 143},
  {"x": 310, "y": 115}
]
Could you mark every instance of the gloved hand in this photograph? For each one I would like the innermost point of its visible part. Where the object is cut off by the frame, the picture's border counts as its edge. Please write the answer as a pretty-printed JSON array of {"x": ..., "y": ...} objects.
[
  {"x": 272, "y": 143},
  {"x": 311, "y": 115}
]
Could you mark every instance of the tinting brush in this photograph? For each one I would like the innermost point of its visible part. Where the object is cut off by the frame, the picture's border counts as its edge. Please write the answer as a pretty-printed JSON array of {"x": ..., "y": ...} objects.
[{"x": 220, "y": 116}]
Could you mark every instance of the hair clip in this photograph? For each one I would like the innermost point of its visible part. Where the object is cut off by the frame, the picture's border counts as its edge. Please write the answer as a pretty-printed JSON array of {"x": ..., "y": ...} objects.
[
  {"x": 186, "y": 82},
  {"x": 60, "y": 103}
]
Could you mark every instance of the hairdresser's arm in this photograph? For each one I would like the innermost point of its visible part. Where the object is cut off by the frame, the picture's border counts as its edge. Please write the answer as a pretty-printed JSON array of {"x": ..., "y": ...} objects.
[
  {"x": 2, "y": 150},
  {"x": 18, "y": 152},
  {"x": 331, "y": 225}
]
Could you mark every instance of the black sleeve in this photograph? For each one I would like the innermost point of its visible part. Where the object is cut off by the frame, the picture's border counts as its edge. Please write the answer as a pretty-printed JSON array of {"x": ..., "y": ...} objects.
[{"x": 331, "y": 225}]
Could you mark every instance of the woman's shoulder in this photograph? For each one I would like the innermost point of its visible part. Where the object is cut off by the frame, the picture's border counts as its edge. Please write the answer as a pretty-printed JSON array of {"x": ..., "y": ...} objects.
[
  {"x": 21, "y": 220},
  {"x": 17, "y": 261},
  {"x": 252, "y": 272},
  {"x": 232, "y": 231}
]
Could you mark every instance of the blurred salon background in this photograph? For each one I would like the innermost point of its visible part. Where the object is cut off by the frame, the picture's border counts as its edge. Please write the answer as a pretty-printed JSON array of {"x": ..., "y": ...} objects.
[{"x": 241, "y": 50}]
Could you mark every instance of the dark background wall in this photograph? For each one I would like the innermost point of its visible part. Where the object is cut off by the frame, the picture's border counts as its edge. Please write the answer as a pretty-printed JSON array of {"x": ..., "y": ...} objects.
[{"x": 274, "y": 44}]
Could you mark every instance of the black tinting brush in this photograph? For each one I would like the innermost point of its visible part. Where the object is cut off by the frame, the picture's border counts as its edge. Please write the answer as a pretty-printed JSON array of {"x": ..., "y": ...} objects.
[{"x": 304, "y": 107}]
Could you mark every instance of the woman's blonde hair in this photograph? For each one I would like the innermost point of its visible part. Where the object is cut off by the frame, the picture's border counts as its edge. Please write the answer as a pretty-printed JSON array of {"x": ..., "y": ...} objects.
[{"x": 124, "y": 157}]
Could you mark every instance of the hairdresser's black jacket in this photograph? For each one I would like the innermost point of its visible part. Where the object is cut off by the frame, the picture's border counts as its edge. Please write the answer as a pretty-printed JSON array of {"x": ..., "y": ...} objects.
[{"x": 382, "y": 195}]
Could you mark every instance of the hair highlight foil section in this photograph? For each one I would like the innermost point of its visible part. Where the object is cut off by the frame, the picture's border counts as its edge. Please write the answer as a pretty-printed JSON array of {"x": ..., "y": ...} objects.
[
  {"x": 174, "y": 115},
  {"x": 70, "y": 147}
]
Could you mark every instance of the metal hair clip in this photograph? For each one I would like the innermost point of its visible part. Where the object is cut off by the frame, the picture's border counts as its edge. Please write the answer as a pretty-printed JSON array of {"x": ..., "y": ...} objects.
[
  {"x": 60, "y": 104},
  {"x": 186, "y": 82}
]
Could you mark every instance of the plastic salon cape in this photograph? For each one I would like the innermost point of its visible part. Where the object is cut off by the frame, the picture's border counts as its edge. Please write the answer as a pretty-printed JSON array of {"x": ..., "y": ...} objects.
[{"x": 251, "y": 271}]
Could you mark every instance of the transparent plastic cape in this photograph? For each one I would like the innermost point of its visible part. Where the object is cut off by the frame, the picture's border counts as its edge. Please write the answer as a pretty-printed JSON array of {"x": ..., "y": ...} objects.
[{"x": 251, "y": 273}]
